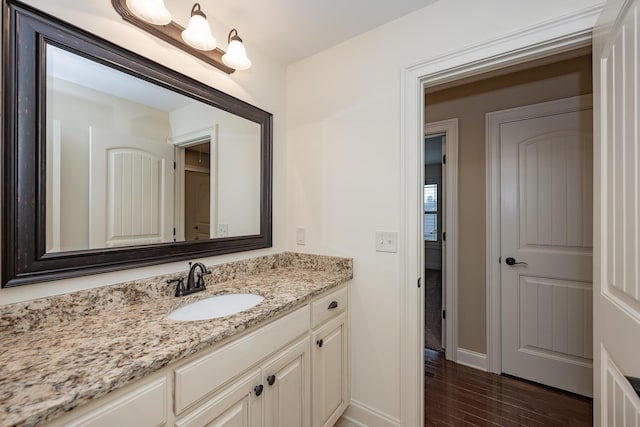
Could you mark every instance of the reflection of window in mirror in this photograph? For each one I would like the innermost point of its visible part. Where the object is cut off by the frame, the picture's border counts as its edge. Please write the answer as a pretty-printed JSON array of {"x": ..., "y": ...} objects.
[{"x": 197, "y": 191}]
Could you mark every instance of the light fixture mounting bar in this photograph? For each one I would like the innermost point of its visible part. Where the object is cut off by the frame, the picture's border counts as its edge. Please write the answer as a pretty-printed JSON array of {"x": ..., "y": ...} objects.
[{"x": 171, "y": 33}]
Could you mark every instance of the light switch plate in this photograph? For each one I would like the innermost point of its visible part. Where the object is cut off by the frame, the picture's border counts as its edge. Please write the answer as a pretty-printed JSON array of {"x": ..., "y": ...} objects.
[
  {"x": 300, "y": 240},
  {"x": 386, "y": 241}
]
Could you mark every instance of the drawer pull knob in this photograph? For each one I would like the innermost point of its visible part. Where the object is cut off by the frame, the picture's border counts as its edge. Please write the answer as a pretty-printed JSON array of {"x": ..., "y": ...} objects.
[
  {"x": 320, "y": 342},
  {"x": 334, "y": 304},
  {"x": 271, "y": 379},
  {"x": 258, "y": 389}
]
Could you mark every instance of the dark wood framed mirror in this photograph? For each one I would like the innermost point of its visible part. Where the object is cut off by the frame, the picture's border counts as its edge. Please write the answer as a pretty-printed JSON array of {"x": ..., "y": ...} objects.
[{"x": 112, "y": 161}]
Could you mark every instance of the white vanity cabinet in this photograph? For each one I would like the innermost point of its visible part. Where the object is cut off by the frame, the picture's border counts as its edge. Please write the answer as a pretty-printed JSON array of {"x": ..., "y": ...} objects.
[
  {"x": 274, "y": 394},
  {"x": 330, "y": 358},
  {"x": 274, "y": 376}
]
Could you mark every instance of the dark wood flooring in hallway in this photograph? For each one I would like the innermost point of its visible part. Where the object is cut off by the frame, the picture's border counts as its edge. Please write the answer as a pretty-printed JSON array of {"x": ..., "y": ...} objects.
[{"x": 457, "y": 395}]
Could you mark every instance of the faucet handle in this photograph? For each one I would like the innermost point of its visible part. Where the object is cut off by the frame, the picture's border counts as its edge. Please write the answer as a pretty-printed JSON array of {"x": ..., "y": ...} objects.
[{"x": 180, "y": 287}]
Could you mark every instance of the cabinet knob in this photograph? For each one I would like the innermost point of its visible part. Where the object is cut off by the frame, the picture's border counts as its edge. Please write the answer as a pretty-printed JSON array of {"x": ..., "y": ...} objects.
[
  {"x": 334, "y": 304},
  {"x": 258, "y": 389},
  {"x": 320, "y": 342},
  {"x": 271, "y": 379}
]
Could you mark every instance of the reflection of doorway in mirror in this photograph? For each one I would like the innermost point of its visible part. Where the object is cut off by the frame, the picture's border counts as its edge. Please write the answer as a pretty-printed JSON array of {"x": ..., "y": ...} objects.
[{"x": 197, "y": 186}]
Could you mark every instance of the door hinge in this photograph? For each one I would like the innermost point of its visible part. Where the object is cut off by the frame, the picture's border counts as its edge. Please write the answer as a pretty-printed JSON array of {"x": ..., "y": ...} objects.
[
  {"x": 444, "y": 159},
  {"x": 174, "y": 165},
  {"x": 444, "y": 236},
  {"x": 499, "y": 260},
  {"x": 444, "y": 314},
  {"x": 419, "y": 281}
]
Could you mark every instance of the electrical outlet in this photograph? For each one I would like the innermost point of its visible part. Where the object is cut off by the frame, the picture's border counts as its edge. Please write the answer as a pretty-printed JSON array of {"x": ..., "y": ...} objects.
[
  {"x": 223, "y": 230},
  {"x": 386, "y": 241},
  {"x": 300, "y": 240}
]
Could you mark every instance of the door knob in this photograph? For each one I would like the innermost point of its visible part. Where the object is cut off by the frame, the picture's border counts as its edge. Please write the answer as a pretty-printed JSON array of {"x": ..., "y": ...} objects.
[
  {"x": 271, "y": 379},
  {"x": 511, "y": 261},
  {"x": 258, "y": 389}
]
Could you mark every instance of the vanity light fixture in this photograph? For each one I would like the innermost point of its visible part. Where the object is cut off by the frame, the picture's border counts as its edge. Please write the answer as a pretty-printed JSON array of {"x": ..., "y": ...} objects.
[{"x": 196, "y": 39}]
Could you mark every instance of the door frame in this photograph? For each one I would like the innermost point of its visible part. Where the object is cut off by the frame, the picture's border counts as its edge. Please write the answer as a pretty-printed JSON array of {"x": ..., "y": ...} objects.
[
  {"x": 449, "y": 224},
  {"x": 559, "y": 35},
  {"x": 493, "y": 121}
]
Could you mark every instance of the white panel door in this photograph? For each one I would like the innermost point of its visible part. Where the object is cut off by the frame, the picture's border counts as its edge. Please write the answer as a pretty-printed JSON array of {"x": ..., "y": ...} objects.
[
  {"x": 131, "y": 190},
  {"x": 617, "y": 214},
  {"x": 546, "y": 229}
]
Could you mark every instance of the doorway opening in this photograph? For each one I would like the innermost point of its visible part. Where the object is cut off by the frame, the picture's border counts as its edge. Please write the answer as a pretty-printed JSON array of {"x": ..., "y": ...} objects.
[
  {"x": 432, "y": 197},
  {"x": 470, "y": 100},
  {"x": 197, "y": 186}
]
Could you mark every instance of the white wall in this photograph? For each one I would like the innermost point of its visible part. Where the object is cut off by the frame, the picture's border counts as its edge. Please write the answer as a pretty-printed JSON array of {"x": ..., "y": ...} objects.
[
  {"x": 263, "y": 86},
  {"x": 343, "y": 159}
]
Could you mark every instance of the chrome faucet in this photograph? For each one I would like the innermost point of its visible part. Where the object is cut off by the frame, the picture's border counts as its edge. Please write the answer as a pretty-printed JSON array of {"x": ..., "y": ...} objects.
[{"x": 193, "y": 285}]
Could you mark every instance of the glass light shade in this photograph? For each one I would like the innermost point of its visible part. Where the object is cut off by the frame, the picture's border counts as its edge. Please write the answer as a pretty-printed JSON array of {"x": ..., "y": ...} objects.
[
  {"x": 151, "y": 11},
  {"x": 236, "y": 56},
  {"x": 198, "y": 34}
]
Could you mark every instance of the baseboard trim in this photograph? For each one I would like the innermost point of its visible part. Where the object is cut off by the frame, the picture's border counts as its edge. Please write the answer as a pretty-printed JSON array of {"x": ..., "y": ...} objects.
[
  {"x": 365, "y": 416},
  {"x": 472, "y": 359}
]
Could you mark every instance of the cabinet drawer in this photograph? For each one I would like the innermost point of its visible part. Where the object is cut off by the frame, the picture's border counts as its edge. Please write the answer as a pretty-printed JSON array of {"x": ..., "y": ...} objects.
[
  {"x": 199, "y": 378},
  {"x": 329, "y": 306},
  {"x": 145, "y": 406}
]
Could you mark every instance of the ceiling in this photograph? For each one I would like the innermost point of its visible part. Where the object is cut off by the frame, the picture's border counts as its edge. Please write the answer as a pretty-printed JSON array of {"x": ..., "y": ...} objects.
[{"x": 290, "y": 30}]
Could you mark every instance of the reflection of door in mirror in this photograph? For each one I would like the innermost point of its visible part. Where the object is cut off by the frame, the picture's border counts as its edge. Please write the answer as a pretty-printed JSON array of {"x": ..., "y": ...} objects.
[
  {"x": 197, "y": 183},
  {"x": 130, "y": 190}
]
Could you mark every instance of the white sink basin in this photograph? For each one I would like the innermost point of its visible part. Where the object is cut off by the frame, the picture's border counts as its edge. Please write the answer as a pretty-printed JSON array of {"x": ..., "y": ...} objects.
[{"x": 217, "y": 306}]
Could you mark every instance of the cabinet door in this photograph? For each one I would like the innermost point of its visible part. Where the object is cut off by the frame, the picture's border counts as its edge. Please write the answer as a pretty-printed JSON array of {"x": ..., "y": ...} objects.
[
  {"x": 237, "y": 405},
  {"x": 287, "y": 387},
  {"x": 330, "y": 372}
]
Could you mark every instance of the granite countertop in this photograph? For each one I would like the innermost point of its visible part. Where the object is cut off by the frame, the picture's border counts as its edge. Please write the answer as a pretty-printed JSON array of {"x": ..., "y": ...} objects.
[{"x": 60, "y": 352}]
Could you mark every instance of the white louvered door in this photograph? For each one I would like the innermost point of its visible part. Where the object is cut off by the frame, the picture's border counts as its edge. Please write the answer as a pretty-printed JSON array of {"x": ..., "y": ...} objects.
[
  {"x": 617, "y": 214},
  {"x": 131, "y": 190},
  {"x": 546, "y": 224}
]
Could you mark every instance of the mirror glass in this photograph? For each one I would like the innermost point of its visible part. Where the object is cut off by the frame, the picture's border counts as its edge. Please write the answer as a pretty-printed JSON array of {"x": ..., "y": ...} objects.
[{"x": 130, "y": 163}]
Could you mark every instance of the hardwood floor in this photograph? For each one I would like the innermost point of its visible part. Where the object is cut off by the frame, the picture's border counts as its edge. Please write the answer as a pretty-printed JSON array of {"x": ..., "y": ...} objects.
[{"x": 456, "y": 395}]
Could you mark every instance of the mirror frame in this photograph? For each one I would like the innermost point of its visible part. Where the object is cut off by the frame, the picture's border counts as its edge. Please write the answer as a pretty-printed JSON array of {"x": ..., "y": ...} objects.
[{"x": 24, "y": 257}]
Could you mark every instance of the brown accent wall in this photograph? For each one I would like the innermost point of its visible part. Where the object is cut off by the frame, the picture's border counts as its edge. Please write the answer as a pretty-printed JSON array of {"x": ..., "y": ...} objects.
[{"x": 469, "y": 103}]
